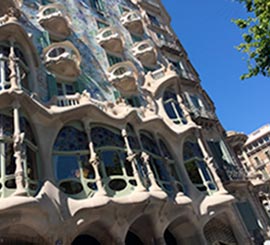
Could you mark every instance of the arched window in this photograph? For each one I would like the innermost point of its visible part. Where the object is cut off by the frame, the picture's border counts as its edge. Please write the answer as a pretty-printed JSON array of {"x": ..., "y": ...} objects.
[
  {"x": 116, "y": 171},
  {"x": 172, "y": 107},
  {"x": 74, "y": 173},
  {"x": 31, "y": 159},
  {"x": 157, "y": 162},
  {"x": 172, "y": 166},
  {"x": 8, "y": 161},
  {"x": 196, "y": 168},
  {"x": 136, "y": 148},
  {"x": 21, "y": 67}
]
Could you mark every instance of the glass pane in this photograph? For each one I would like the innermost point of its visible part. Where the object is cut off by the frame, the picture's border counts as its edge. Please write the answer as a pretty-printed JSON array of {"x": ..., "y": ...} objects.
[
  {"x": 87, "y": 168},
  {"x": 128, "y": 168},
  {"x": 69, "y": 89},
  {"x": 6, "y": 125},
  {"x": 117, "y": 184},
  {"x": 149, "y": 143},
  {"x": 193, "y": 173},
  {"x": 71, "y": 139},
  {"x": 9, "y": 159},
  {"x": 191, "y": 150},
  {"x": 161, "y": 169},
  {"x": 27, "y": 129},
  {"x": 105, "y": 137},
  {"x": 169, "y": 110},
  {"x": 71, "y": 187},
  {"x": 111, "y": 162},
  {"x": 205, "y": 171},
  {"x": 164, "y": 149},
  {"x": 66, "y": 167},
  {"x": 31, "y": 159}
]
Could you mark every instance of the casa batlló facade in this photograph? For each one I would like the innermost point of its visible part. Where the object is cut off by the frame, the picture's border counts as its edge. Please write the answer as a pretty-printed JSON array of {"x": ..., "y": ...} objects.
[{"x": 106, "y": 135}]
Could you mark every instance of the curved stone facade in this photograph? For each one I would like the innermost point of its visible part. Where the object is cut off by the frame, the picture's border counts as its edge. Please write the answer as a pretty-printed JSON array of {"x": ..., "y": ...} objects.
[{"x": 99, "y": 144}]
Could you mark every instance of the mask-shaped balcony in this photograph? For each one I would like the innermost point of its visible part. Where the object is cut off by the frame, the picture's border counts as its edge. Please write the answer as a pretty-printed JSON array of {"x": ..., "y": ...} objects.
[
  {"x": 132, "y": 21},
  {"x": 145, "y": 52},
  {"x": 53, "y": 19},
  {"x": 6, "y": 5},
  {"x": 124, "y": 77},
  {"x": 63, "y": 60},
  {"x": 110, "y": 39}
]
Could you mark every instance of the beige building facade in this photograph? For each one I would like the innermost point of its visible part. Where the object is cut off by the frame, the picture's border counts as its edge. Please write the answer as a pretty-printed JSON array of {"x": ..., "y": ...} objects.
[{"x": 107, "y": 136}]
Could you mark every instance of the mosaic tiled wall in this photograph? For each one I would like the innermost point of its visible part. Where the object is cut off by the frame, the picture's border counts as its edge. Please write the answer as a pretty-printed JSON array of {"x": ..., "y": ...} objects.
[{"x": 84, "y": 29}]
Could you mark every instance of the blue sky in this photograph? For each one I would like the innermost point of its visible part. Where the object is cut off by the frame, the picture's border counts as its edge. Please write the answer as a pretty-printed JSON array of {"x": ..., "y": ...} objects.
[{"x": 207, "y": 33}]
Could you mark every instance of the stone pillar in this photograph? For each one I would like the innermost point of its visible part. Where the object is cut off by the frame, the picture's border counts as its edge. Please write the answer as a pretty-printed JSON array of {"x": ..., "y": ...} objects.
[
  {"x": 94, "y": 161},
  {"x": 131, "y": 158},
  {"x": 154, "y": 186},
  {"x": 13, "y": 66},
  {"x": 18, "y": 138}
]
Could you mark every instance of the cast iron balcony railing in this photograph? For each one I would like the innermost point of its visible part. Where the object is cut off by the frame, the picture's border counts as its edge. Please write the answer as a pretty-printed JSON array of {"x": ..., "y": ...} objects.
[{"x": 53, "y": 19}]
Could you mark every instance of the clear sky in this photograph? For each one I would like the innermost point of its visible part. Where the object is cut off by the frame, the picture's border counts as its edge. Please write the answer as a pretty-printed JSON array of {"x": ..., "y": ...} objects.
[{"x": 207, "y": 33}]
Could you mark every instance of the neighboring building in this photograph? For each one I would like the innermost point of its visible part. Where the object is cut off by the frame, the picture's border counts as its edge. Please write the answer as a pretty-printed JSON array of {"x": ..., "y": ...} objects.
[
  {"x": 106, "y": 135},
  {"x": 256, "y": 153}
]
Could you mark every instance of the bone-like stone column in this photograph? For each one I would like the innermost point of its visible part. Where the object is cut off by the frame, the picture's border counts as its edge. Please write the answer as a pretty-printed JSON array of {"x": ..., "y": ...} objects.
[
  {"x": 13, "y": 66},
  {"x": 18, "y": 138},
  {"x": 94, "y": 161},
  {"x": 131, "y": 158}
]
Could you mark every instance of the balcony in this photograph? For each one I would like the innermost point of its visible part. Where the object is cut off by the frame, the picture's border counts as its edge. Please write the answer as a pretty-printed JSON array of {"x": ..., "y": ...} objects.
[
  {"x": 110, "y": 39},
  {"x": 53, "y": 19},
  {"x": 63, "y": 60},
  {"x": 6, "y": 5},
  {"x": 163, "y": 77},
  {"x": 169, "y": 44},
  {"x": 236, "y": 139},
  {"x": 145, "y": 52},
  {"x": 124, "y": 77},
  {"x": 203, "y": 116},
  {"x": 148, "y": 4},
  {"x": 132, "y": 21}
]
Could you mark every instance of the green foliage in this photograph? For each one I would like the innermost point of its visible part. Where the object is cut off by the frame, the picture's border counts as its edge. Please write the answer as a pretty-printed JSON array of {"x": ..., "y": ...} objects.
[{"x": 256, "y": 39}]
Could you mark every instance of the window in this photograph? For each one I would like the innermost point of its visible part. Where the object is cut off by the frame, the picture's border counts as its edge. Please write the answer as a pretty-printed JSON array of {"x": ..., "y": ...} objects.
[
  {"x": 136, "y": 38},
  {"x": 267, "y": 153},
  {"x": 101, "y": 24},
  {"x": 116, "y": 171},
  {"x": 74, "y": 175},
  {"x": 197, "y": 169},
  {"x": 153, "y": 19},
  {"x": 257, "y": 160},
  {"x": 112, "y": 59},
  {"x": 134, "y": 101},
  {"x": 97, "y": 5},
  {"x": 21, "y": 67},
  {"x": 156, "y": 162},
  {"x": 172, "y": 107},
  {"x": 7, "y": 158},
  {"x": 65, "y": 89}
]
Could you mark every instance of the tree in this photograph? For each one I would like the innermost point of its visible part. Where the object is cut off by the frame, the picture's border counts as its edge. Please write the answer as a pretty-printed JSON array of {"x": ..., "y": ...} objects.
[{"x": 256, "y": 37}]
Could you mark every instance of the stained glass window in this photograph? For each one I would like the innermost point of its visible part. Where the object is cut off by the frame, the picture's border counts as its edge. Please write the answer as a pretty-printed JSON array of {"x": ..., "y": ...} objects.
[
  {"x": 104, "y": 137},
  {"x": 71, "y": 139}
]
